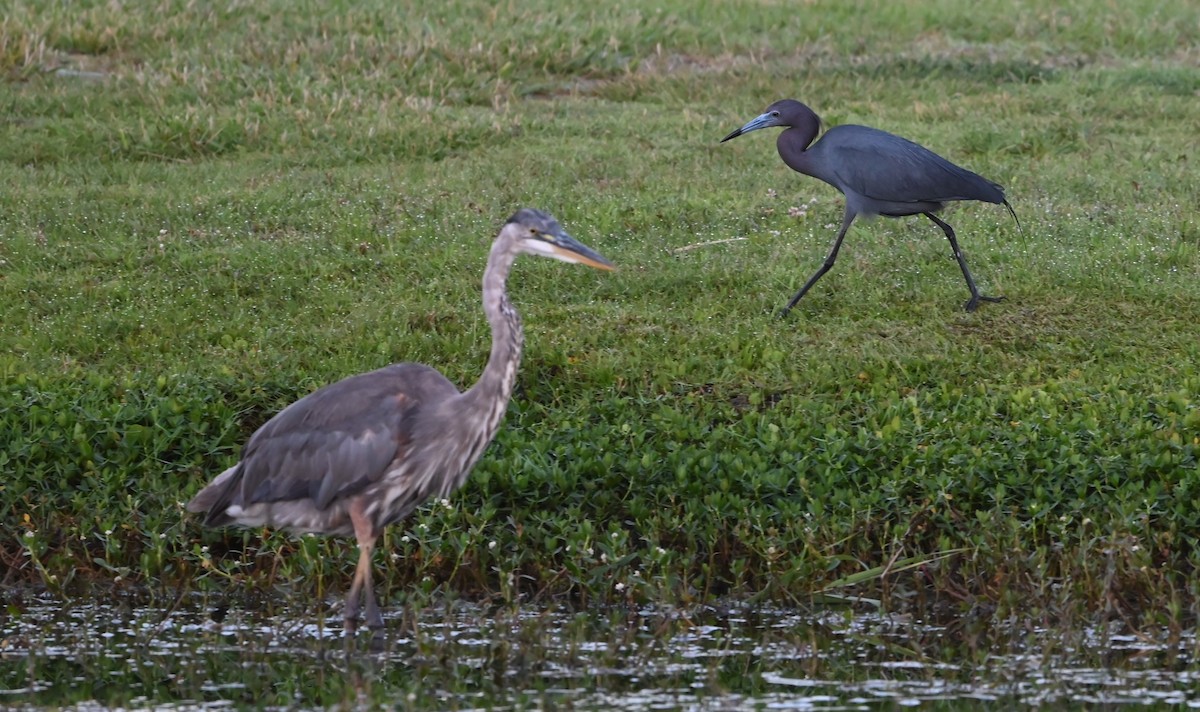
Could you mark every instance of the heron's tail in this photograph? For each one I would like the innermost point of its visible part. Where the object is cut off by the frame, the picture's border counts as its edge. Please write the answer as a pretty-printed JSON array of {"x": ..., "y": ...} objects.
[
  {"x": 1014, "y": 214},
  {"x": 214, "y": 499},
  {"x": 1017, "y": 221}
]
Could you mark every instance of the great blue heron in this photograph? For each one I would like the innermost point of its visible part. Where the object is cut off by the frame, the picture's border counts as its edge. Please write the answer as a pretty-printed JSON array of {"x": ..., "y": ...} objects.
[
  {"x": 879, "y": 173},
  {"x": 362, "y": 453}
]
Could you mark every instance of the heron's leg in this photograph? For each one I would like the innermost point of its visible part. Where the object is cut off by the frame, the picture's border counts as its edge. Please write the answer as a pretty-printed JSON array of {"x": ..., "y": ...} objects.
[
  {"x": 972, "y": 303},
  {"x": 829, "y": 260},
  {"x": 362, "y": 576},
  {"x": 365, "y": 533},
  {"x": 374, "y": 617}
]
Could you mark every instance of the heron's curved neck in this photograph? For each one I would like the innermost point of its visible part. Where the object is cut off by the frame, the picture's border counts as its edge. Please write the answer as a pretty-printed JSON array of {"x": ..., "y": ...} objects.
[
  {"x": 489, "y": 396},
  {"x": 793, "y": 143}
]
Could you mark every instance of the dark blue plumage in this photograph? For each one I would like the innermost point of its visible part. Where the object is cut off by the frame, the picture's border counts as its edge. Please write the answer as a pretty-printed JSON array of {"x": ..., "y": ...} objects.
[{"x": 879, "y": 173}]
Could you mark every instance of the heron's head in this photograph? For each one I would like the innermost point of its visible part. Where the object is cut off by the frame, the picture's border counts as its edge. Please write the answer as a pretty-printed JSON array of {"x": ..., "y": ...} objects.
[
  {"x": 785, "y": 112},
  {"x": 537, "y": 233}
]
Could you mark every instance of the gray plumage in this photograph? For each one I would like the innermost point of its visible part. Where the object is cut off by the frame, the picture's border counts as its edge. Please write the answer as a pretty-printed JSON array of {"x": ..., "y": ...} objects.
[
  {"x": 879, "y": 173},
  {"x": 362, "y": 453}
]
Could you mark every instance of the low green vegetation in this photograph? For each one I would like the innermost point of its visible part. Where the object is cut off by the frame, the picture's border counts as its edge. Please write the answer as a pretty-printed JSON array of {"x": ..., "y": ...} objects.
[{"x": 207, "y": 212}]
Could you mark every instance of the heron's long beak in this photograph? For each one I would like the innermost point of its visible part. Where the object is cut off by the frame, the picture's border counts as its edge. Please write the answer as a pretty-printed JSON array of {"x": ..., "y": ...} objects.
[
  {"x": 761, "y": 121},
  {"x": 568, "y": 249}
]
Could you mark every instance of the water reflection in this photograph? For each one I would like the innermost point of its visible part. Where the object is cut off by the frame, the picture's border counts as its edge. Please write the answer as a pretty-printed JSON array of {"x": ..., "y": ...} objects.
[{"x": 463, "y": 656}]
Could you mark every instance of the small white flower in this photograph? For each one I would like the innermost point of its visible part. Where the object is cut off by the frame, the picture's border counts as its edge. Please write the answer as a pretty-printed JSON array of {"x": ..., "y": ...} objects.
[
  {"x": 446, "y": 504},
  {"x": 614, "y": 535},
  {"x": 204, "y": 550},
  {"x": 405, "y": 539},
  {"x": 604, "y": 558},
  {"x": 661, "y": 551},
  {"x": 491, "y": 545},
  {"x": 770, "y": 551},
  {"x": 29, "y": 534},
  {"x": 162, "y": 535},
  {"x": 108, "y": 532},
  {"x": 620, "y": 587}
]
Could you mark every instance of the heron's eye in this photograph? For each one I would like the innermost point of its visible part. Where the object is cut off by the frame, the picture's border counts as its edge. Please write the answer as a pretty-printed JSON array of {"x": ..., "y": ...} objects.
[{"x": 775, "y": 114}]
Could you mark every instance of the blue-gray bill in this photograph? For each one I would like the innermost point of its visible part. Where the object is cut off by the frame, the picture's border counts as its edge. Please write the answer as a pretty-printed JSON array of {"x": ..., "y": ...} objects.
[{"x": 761, "y": 121}]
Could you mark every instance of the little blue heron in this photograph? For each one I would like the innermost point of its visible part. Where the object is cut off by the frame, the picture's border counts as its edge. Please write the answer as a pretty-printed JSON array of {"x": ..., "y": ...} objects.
[
  {"x": 879, "y": 173},
  {"x": 360, "y": 454}
]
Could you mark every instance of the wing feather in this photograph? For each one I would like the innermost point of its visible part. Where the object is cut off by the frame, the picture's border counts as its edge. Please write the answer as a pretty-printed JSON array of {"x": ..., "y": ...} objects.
[
  {"x": 334, "y": 442},
  {"x": 885, "y": 167}
]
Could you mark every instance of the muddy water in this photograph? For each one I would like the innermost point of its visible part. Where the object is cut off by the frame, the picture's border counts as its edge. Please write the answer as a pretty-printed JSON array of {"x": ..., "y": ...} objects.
[{"x": 119, "y": 654}]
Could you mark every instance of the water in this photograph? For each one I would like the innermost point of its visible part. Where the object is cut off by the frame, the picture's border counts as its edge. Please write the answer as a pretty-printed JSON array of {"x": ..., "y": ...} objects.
[{"x": 125, "y": 655}]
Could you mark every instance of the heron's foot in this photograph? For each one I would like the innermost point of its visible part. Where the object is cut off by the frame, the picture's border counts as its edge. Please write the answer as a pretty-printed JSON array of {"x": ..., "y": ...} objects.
[
  {"x": 350, "y": 614},
  {"x": 373, "y": 616},
  {"x": 786, "y": 311},
  {"x": 375, "y": 620},
  {"x": 374, "y": 623},
  {"x": 973, "y": 303},
  {"x": 379, "y": 641}
]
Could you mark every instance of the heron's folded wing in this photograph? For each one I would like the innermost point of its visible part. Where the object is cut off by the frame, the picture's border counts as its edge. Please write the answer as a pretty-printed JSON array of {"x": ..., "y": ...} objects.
[
  {"x": 320, "y": 465},
  {"x": 900, "y": 171},
  {"x": 338, "y": 440}
]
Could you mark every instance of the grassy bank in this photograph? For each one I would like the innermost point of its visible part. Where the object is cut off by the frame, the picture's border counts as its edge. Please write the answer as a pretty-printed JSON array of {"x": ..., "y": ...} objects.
[{"x": 206, "y": 214}]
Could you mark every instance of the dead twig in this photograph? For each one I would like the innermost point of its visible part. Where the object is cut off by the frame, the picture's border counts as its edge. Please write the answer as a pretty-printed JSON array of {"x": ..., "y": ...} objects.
[{"x": 698, "y": 245}]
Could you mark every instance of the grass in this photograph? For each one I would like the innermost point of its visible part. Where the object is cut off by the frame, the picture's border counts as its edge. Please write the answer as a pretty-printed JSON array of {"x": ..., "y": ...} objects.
[{"x": 207, "y": 213}]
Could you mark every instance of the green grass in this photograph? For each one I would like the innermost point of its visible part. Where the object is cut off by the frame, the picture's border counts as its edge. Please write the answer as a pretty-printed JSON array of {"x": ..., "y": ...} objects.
[{"x": 207, "y": 213}]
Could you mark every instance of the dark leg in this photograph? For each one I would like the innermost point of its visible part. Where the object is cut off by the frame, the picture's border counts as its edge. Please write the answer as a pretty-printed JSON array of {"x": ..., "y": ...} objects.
[
  {"x": 373, "y": 616},
  {"x": 362, "y": 586},
  {"x": 829, "y": 260},
  {"x": 354, "y": 595},
  {"x": 972, "y": 303}
]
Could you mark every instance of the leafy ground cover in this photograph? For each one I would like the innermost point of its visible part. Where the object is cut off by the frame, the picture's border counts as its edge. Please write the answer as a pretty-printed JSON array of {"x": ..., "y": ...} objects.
[{"x": 206, "y": 213}]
